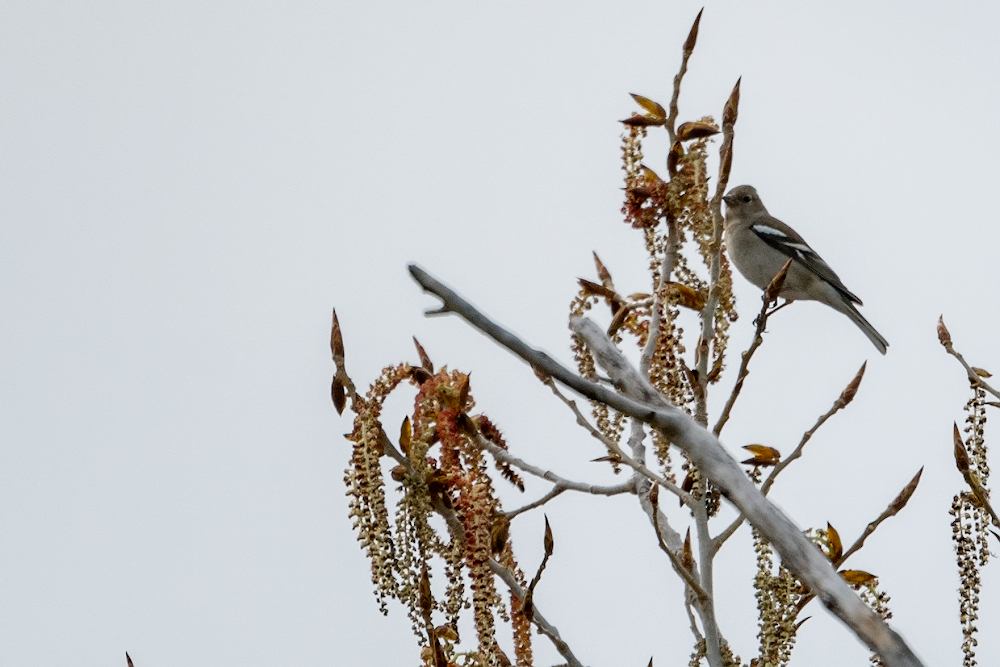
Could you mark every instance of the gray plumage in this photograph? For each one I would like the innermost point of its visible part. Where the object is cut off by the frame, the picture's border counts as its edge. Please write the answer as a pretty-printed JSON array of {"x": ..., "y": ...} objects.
[{"x": 759, "y": 245}]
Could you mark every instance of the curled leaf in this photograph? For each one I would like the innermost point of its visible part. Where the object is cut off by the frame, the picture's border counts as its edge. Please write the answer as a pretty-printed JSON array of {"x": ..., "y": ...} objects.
[
  {"x": 635, "y": 120},
  {"x": 617, "y": 321},
  {"x": 688, "y": 297},
  {"x": 763, "y": 456},
  {"x": 687, "y": 555},
  {"x": 336, "y": 340},
  {"x": 548, "y": 542},
  {"x": 448, "y": 632},
  {"x": 425, "y": 361},
  {"x": 593, "y": 289},
  {"x": 836, "y": 546},
  {"x": 696, "y": 130},
  {"x": 858, "y": 577},
  {"x": 499, "y": 533},
  {"x": 731, "y": 110},
  {"x": 463, "y": 392},
  {"x": 405, "y": 433},
  {"x": 674, "y": 157},
  {"x": 604, "y": 274},
  {"x": 650, "y": 175},
  {"x": 338, "y": 395},
  {"x": 398, "y": 473},
  {"x": 651, "y": 107},
  {"x": 961, "y": 456},
  {"x": 654, "y": 495},
  {"x": 981, "y": 372}
]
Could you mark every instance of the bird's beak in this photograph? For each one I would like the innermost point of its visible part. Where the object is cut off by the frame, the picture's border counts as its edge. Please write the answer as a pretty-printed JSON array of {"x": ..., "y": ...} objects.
[{"x": 729, "y": 199}]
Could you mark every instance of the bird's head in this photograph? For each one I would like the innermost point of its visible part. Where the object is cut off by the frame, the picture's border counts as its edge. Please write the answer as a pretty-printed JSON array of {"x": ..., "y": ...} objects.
[{"x": 743, "y": 200}]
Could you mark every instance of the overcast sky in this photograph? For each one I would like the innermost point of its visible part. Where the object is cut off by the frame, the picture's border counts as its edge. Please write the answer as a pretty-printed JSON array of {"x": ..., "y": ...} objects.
[{"x": 189, "y": 187}]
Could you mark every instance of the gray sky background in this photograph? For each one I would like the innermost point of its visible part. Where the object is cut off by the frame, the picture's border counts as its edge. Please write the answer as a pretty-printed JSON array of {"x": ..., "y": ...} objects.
[{"x": 188, "y": 188}]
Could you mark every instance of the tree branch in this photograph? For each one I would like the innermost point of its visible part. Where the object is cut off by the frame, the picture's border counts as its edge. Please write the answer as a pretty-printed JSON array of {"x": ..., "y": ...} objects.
[{"x": 797, "y": 553}]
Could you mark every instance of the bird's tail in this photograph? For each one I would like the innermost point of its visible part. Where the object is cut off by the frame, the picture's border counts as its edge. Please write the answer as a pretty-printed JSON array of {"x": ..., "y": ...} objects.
[{"x": 863, "y": 324}]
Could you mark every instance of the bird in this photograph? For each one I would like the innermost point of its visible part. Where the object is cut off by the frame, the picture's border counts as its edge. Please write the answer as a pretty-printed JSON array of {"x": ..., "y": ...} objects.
[{"x": 759, "y": 245}]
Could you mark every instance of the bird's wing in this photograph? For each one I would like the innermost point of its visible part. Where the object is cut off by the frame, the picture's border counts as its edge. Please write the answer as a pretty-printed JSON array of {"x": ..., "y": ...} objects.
[{"x": 783, "y": 238}]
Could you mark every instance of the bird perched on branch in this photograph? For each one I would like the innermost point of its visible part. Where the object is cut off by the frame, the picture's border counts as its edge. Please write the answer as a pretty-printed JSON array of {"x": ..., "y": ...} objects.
[{"x": 760, "y": 245}]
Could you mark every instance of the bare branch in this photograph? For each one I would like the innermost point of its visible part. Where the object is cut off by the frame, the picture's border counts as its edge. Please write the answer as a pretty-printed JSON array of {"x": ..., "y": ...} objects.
[
  {"x": 644, "y": 402},
  {"x": 556, "y": 490},
  {"x": 689, "y": 43}
]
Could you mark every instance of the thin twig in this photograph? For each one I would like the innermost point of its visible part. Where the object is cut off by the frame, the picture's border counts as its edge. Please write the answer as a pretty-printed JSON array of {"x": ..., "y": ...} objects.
[
  {"x": 684, "y": 573},
  {"x": 798, "y": 554},
  {"x": 656, "y": 311},
  {"x": 974, "y": 377},
  {"x": 543, "y": 625},
  {"x": 613, "y": 446},
  {"x": 846, "y": 396},
  {"x": 769, "y": 297},
  {"x": 689, "y": 43},
  {"x": 556, "y": 490}
]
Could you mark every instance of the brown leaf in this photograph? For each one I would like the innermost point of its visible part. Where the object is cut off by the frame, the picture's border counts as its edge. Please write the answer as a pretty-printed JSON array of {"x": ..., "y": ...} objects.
[
  {"x": 731, "y": 110},
  {"x": 635, "y": 120},
  {"x": 405, "y": 433},
  {"x": 654, "y": 495},
  {"x": 398, "y": 473},
  {"x": 548, "y": 542},
  {"x": 528, "y": 604},
  {"x": 336, "y": 341},
  {"x": 851, "y": 389},
  {"x": 463, "y": 392},
  {"x": 961, "y": 456},
  {"x": 468, "y": 425},
  {"x": 689, "y": 43},
  {"x": 651, "y": 107},
  {"x": 448, "y": 632},
  {"x": 674, "y": 158},
  {"x": 611, "y": 458},
  {"x": 774, "y": 288},
  {"x": 942, "y": 331},
  {"x": 687, "y": 555},
  {"x": 716, "y": 371},
  {"x": 425, "y": 361},
  {"x": 904, "y": 496},
  {"x": 981, "y": 373},
  {"x": 763, "y": 455},
  {"x": 499, "y": 533},
  {"x": 688, "y": 297},
  {"x": 420, "y": 374},
  {"x": 594, "y": 289},
  {"x": 337, "y": 393},
  {"x": 650, "y": 176},
  {"x": 617, "y": 321},
  {"x": 604, "y": 274},
  {"x": 128, "y": 660},
  {"x": 858, "y": 577},
  {"x": 424, "y": 598},
  {"x": 688, "y": 483},
  {"x": 695, "y": 130},
  {"x": 836, "y": 546}
]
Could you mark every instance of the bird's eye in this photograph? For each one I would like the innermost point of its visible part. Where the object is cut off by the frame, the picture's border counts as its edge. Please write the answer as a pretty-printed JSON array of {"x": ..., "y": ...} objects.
[{"x": 746, "y": 199}]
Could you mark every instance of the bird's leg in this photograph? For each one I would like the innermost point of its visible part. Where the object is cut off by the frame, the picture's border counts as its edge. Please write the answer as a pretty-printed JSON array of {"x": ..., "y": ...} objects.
[{"x": 772, "y": 311}]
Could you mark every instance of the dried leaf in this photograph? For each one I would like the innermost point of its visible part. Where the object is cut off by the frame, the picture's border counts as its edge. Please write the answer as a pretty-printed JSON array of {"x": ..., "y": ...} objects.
[
  {"x": 405, "y": 433},
  {"x": 420, "y": 374},
  {"x": 688, "y": 297},
  {"x": 610, "y": 458},
  {"x": 447, "y": 632},
  {"x": 851, "y": 389},
  {"x": 858, "y": 577},
  {"x": 499, "y": 533},
  {"x": 674, "y": 158},
  {"x": 594, "y": 289},
  {"x": 651, "y": 107},
  {"x": 942, "y": 331},
  {"x": 617, "y": 321},
  {"x": 688, "y": 483},
  {"x": 604, "y": 274},
  {"x": 424, "y": 598},
  {"x": 731, "y": 110},
  {"x": 425, "y": 361},
  {"x": 128, "y": 660},
  {"x": 716, "y": 371},
  {"x": 650, "y": 176},
  {"x": 336, "y": 341},
  {"x": 654, "y": 495},
  {"x": 468, "y": 425},
  {"x": 981, "y": 373},
  {"x": 398, "y": 473},
  {"x": 463, "y": 392},
  {"x": 763, "y": 455},
  {"x": 635, "y": 120},
  {"x": 687, "y": 555},
  {"x": 774, "y": 288},
  {"x": 836, "y": 546},
  {"x": 548, "y": 541},
  {"x": 337, "y": 393},
  {"x": 961, "y": 456},
  {"x": 639, "y": 194},
  {"x": 689, "y": 43},
  {"x": 904, "y": 496},
  {"x": 695, "y": 130}
]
